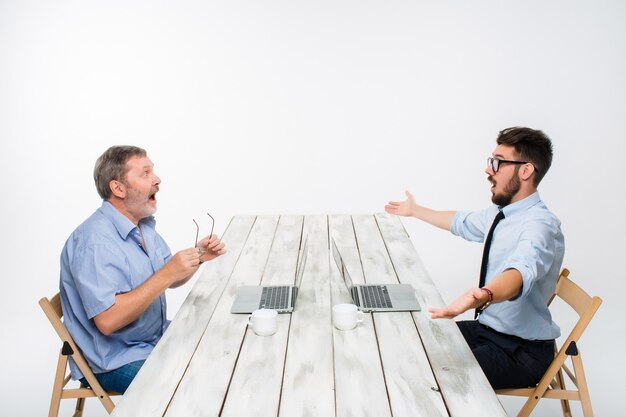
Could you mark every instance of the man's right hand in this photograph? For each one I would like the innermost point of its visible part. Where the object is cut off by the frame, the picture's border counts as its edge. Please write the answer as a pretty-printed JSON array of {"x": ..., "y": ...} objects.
[
  {"x": 402, "y": 208},
  {"x": 182, "y": 266},
  {"x": 408, "y": 207}
]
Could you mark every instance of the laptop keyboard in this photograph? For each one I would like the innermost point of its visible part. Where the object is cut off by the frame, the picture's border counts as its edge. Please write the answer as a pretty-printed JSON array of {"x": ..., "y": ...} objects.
[
  {"x": 275, "y": 298},
  {"x": 375, "y": 296}
]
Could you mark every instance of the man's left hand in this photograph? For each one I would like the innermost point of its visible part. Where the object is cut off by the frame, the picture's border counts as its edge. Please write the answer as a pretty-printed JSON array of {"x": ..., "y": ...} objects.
[
  {"x": 210, "y": 248},
  {"x": 472, "y": 298}
]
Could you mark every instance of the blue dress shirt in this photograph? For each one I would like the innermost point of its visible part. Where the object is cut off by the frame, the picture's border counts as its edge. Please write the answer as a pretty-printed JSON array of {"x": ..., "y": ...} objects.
[
  {"x": 528, "y": 239},
  {"x": 103, "y": 257}
]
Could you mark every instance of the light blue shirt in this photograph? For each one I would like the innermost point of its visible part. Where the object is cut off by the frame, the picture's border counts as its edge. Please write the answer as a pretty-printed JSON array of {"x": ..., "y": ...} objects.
[
  {"x": 104, "y": 257},
  {"x": 528, "y": 239}
]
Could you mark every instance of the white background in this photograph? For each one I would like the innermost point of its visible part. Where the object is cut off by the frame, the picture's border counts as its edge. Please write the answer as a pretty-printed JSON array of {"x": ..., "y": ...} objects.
[{"x": 307, "y": 107}]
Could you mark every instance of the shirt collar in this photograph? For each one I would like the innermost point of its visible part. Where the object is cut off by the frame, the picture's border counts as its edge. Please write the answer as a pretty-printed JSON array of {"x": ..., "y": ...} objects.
[
  {"x": 122, "y": 223},
  {"x": 522, "y": 205}
]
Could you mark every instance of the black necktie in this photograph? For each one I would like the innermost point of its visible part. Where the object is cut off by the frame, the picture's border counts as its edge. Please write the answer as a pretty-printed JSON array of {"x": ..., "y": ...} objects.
[{"x": 483, "y": 265}]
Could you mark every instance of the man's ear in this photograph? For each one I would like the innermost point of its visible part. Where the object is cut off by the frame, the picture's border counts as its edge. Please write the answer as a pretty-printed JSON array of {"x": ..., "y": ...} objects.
[
  {"x": 526, "y": 172},
  {"x": 118, "y": 189}
]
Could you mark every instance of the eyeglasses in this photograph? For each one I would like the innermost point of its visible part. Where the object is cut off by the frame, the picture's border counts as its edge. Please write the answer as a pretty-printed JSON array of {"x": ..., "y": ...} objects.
[
  {"x": 494, "y": 163},
  {"x": 198, "y": 229}
]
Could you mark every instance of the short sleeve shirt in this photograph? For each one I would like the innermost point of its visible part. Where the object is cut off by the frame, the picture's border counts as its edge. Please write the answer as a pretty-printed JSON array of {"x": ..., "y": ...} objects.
[
  {"x": 105, "y": 256},
  {"x": 528, "y": 239}
]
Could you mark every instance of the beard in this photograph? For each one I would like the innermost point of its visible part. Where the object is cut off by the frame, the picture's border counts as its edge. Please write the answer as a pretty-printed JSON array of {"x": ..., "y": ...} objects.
[
  {"x": 140, "y": 204},
  {"x": 510, "y": 189}
]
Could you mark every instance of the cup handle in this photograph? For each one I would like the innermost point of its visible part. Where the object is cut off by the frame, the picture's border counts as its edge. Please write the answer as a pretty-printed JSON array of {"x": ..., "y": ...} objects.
[
  {"x": 249, "y": 322},
  {"x": 359, "y": 316}
]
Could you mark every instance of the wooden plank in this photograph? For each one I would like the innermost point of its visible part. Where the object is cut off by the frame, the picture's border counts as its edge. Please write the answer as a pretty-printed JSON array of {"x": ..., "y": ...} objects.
[
  {"x": 206, "y": 382},
  {"x": 154, "y": 385},
  {"x": 464, "y": 387},
  {"x": 360, "y": 385},
  {"x": 411, "y": 385},
  {"x": 257, "y": 379},
  {"x": 308, "y": 385}
]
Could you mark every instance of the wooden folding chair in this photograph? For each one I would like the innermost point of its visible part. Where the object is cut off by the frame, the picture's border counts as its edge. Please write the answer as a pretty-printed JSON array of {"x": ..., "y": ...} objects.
[
  {"x": 552, "y": 384},
  {"x": 52, "y": 309}
]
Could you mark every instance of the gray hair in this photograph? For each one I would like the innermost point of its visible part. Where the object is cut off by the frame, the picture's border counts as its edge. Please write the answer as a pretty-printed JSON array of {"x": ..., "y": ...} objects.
[{"x": 111, "y": 165}]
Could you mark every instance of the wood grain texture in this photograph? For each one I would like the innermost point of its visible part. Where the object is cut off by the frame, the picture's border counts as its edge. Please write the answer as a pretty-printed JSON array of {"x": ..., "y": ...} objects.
[
  {"x": 463, "y": 384},
  {"x": 257, "y": 379},
  {"x": 157, "y": 381},
  {"x": 209, "y": 363},
  {"x": 410, "y": 381},
  {"x": 308, "y": 385},
  {"x": 360, "y": 385},
  {"x": 206, "y": 382}
]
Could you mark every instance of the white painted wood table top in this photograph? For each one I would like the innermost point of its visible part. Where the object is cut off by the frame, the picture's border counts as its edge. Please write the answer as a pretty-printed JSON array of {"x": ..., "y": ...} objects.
[{"x": 209, "y": 363}]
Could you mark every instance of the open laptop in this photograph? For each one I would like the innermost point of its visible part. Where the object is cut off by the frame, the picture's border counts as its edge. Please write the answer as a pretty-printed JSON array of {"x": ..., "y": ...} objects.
[
  {"x": 281, "y": 298},
  {"x": 377, "y": 297}
]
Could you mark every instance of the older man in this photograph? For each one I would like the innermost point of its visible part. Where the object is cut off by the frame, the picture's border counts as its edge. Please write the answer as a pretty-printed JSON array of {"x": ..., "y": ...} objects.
[{"x": 115, "y": 269}]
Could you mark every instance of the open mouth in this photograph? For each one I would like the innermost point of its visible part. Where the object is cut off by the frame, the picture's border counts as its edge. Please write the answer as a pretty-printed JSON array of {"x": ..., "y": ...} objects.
[{"x": 152, "y": 196}]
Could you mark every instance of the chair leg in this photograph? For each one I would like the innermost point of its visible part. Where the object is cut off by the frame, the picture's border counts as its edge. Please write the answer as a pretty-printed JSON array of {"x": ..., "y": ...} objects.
[
  {"x": 59, "y": 379},
  {"x": 108, "y": 404},
  {"x": 534, "y": 397},
  {"x": 560, "y": 384},
  {"x": 528, "y": 407},
  {"x": 583, "y": 391},
  {"x": 80, "y": 406}
]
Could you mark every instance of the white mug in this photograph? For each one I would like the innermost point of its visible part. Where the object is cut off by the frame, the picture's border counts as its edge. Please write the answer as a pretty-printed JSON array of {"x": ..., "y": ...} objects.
[
  {"x": 346, "y": 316},
  {"x": 263, "y": 322}
]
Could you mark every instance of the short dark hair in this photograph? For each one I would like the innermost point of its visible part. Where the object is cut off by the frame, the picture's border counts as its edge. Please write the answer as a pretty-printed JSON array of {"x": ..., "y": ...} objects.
[
  {"x": 111, "y": 165},
  {"x": 530, "y": 145}
]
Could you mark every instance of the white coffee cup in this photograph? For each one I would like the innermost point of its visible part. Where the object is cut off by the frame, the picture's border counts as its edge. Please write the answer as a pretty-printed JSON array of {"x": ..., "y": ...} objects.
[
  {"x": 346, "y": 316},
  {"x": 264, "y": 322}
]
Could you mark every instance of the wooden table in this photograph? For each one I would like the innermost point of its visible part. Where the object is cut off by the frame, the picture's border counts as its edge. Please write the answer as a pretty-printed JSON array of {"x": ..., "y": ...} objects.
[{"x": 209, "y": 363}]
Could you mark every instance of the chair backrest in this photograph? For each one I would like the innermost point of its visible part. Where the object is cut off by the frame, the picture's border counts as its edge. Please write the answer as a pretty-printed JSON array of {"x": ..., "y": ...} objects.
[
  {"x": 54, "y": 312},
  {"x": 582, "y": 303}
]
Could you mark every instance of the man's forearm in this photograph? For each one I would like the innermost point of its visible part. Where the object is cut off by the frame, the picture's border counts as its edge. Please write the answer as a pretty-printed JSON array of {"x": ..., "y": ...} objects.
[
  {"x": 441, "y": 219},
  {"x": 506, "y": 285},
  {"x": 129, "y": 306}
]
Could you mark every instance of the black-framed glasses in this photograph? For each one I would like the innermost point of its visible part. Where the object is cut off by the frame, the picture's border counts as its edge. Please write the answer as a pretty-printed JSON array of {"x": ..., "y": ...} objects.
[
  {"x": 198, "y": 229},
  {"x": 494, "y": 163}
]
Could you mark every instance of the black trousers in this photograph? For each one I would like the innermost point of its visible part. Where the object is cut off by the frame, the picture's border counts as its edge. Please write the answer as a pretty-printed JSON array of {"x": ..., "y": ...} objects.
[{"x": 507, "y": 361}]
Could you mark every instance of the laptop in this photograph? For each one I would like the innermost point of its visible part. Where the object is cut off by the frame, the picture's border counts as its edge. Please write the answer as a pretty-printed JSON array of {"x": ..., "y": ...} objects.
[
  {"x": 377, "y": 297},
  {"x": 281, "y": 298}
]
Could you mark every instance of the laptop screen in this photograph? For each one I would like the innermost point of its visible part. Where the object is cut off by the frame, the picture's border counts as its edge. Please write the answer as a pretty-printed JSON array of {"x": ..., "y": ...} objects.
[
  {"x": 343, "y": 270},
  {"x": 302, "y": 262}
]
